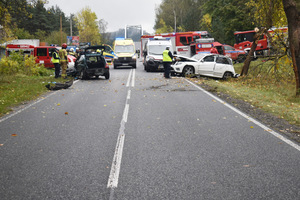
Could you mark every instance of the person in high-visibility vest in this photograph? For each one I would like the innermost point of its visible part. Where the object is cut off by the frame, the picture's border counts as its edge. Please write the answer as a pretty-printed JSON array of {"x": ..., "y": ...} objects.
[
  {"x": 55, "y": 61},
  {"x": 63, "y": 55},
  {"x": 167, "y": 61}
]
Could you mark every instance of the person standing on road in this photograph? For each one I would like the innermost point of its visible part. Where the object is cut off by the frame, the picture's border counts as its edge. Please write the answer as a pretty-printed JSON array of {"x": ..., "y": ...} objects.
[
  {"x": 63, "y": 55},
  {"x": 55, "y": 61},
  {"x": 167, "y": 61}
]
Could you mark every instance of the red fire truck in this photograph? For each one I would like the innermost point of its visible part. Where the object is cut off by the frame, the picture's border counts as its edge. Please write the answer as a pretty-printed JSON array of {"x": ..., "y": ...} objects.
[
  {"x": 244, "y": 40},
  {"x": 204, "y": 45},
  {"x": 26, "y": 48},
  {"x": 43, "y": 54},
  {"x": 180, "y": 40}
]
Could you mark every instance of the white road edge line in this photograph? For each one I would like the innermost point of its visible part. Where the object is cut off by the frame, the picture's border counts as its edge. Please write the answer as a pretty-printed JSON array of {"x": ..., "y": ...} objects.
[
  {"x": 249, "y": 118},
  {"x": 32, "y": 104}
]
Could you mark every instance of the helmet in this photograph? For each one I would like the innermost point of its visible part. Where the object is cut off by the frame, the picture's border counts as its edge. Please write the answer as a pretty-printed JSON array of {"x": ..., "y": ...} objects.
[
  {"x": 98, "y": 51},
  {"x": 72, "y": 49},
  {"x": 64, "y": 45}
]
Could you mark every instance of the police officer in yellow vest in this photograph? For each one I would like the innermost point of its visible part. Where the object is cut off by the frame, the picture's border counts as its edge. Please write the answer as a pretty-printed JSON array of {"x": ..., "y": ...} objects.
[
  {"x": 55, "y": 61},
  {"x": 167, "y": 61},
  {"x": 63, "y": 55}
]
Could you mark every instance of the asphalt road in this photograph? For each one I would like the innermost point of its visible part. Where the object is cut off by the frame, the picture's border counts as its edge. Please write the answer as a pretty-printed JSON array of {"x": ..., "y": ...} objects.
[{"x": 140, "y": 136}]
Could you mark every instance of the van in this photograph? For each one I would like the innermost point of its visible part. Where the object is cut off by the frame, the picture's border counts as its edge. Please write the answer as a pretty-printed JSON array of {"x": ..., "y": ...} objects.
[
  {"x": 153, "y": 53},
  {"x": 125, "y": 53},
  {"x": 43, "y": 56}
]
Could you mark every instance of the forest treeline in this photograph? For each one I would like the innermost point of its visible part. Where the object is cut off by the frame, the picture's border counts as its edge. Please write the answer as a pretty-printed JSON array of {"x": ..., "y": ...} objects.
[
  {"x": 29, "y": 19},
  {"x": 220, "y": 17}
]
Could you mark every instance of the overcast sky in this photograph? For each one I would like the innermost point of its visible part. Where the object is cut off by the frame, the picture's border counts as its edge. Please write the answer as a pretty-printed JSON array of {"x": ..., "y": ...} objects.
[{"x": 117, "y": 13}]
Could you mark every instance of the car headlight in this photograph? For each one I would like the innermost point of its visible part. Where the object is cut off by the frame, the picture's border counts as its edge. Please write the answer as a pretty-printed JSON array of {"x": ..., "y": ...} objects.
[
  {"x": 116, "y": 57},
  {"x": 134, "y": 57}
]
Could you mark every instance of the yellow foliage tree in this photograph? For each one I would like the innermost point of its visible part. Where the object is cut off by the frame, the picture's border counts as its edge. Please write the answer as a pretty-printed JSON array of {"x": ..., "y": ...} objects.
[
  {"x": 86, "y": 22},
  {"x": 163, "y": 27},
  {"x": 205, "y": 23}
]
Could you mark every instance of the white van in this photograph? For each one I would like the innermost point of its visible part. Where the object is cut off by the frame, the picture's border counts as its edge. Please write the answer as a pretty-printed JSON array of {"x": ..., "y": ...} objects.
[{"x": 153, "y": 53}]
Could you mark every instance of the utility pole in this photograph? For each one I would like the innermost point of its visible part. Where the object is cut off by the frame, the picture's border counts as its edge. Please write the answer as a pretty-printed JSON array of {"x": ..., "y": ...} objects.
[
  {"x": 60, "y": 29},
  {"x": 71, "y": 26}
]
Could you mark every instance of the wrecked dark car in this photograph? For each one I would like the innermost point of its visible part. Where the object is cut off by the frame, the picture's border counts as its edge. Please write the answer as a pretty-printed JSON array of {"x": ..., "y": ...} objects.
[{"x": 91, "y": 63}]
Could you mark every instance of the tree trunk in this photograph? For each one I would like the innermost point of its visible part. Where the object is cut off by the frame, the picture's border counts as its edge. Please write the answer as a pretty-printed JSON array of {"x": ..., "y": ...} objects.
[
  {"x": 251, "y": 53},
  {"x": 293, "y": 18},
  {"x": 248, "y": 59}
]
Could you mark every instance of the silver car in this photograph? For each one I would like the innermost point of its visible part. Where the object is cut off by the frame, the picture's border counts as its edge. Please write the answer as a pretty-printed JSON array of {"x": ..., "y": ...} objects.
[{"x": 213, "y": 65}]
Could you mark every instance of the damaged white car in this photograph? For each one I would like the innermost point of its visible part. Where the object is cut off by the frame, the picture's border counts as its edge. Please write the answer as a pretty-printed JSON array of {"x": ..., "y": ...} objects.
[{"x": 213, "y": 65}]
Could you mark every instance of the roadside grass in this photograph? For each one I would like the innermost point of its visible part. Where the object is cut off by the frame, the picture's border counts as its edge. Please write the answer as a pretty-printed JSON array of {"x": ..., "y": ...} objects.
[
  {"x": 269, "y": 86},
  {"x": 18, "y": 89}
]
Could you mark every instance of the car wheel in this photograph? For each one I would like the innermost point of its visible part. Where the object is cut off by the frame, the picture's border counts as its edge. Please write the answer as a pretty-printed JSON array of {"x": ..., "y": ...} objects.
[
  {"x": 106, "y": 75},
  {"x": 227, "y": 75},
  {"x": 188, "y": 71}
]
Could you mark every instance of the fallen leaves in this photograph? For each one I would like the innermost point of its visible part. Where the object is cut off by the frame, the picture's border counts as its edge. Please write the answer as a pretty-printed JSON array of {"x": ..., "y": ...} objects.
[
  {"x": 66, "y": 113},
  {"x": 14, "y": 135}
]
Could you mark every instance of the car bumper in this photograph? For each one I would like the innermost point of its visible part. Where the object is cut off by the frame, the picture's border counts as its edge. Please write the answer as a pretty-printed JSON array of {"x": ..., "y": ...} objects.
[
  {"x": 96, "y": 71},
  {"x": 236, "y": 75},
  {"x": 155, "y": 65},
  {"x": 125, "y": 61},
  {"x": 177, "y": 68}
]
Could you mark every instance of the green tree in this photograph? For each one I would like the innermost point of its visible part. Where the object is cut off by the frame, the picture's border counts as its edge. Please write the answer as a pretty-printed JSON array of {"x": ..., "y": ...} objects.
[
  {"x": 21, "y": 33},
  {"x": 226, "y": 16},
  {"x": 266, "y": 13},
  {"x": 163, "y": 27},
  {"x": 55, "y": 36},
  {"x": 181, "y": 15},
  {"x": 8, "y": 10},
  {"x": 88, "y": 26}
]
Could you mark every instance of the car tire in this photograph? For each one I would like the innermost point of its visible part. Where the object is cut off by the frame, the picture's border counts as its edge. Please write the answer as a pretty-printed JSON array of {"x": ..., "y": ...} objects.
[
  {"x": 107, "y": 75},
  {"x": 188, "y": 71},
  {"x": 227, "y": 75}
]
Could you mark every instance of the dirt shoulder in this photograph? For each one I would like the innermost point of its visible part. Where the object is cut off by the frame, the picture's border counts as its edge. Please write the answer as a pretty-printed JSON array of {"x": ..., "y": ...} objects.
[{"x": 277, "y": 124}]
